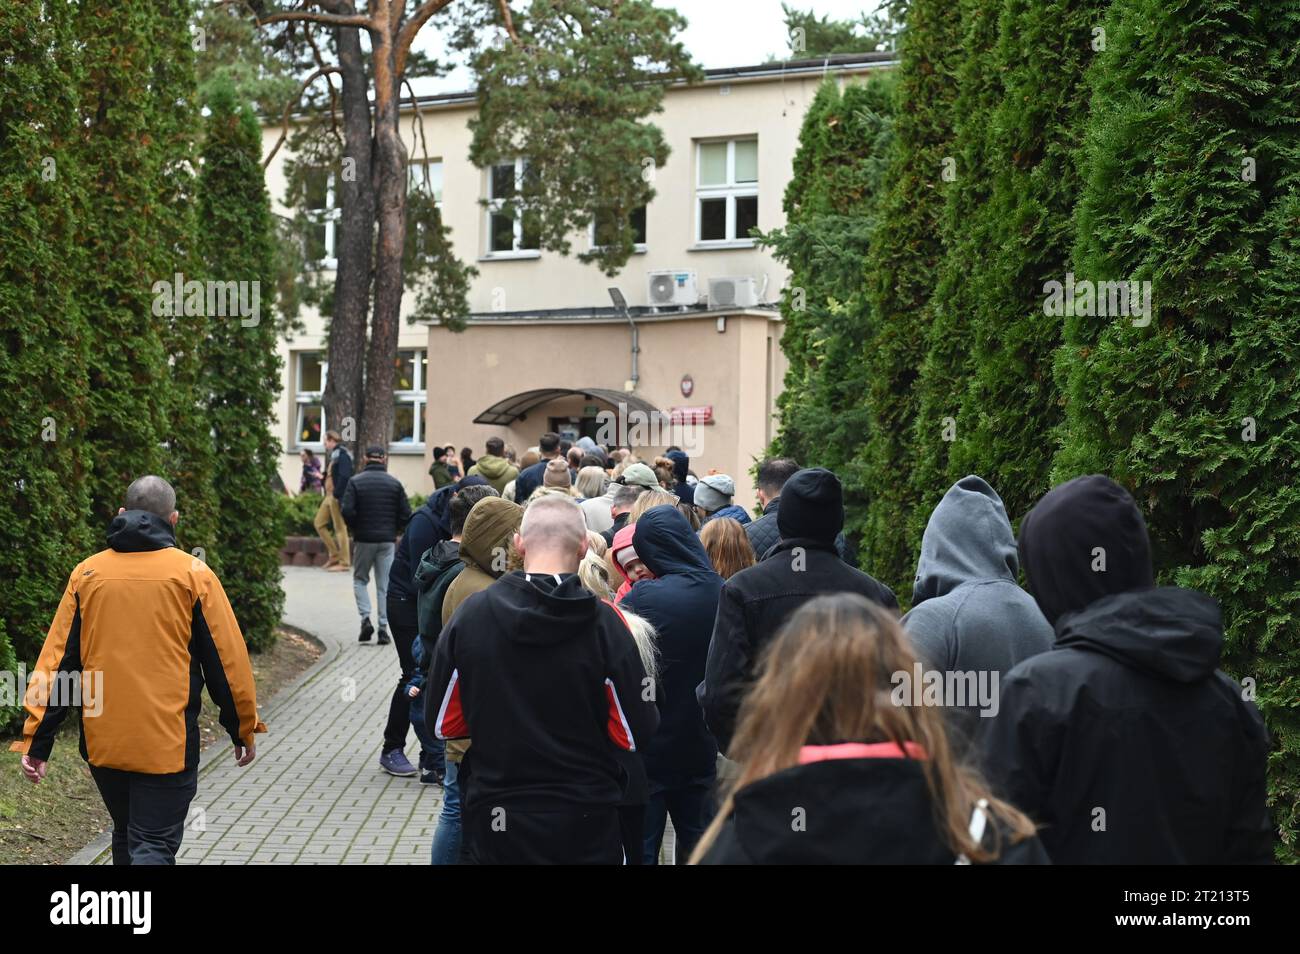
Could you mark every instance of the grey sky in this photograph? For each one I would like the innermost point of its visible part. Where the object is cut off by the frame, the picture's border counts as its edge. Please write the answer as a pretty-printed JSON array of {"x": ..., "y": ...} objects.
[{"x": 720, "y": 33}]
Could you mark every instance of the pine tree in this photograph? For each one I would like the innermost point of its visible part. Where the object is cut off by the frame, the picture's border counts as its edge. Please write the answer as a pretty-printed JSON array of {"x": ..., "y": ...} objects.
[
  {"x": 241, "y": 372},
  {"x": 903, "y": 269},
  {"x": 829, "y": 202},
  {"x": 1191, "y": 171},
  {"x": 965, "y": 228},
  {"x": 43, "y": 500},
  {"x": 1011, "y": 408}
]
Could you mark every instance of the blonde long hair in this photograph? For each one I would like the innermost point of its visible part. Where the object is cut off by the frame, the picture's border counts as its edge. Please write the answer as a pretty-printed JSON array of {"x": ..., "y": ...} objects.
[
  {"x": 826, "y": 678},
  {"x": 595, "y": 577}
]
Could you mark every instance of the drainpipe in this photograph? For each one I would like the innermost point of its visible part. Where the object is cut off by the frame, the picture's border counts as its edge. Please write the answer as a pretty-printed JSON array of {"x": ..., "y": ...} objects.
[{"x": 616, "y": 296}]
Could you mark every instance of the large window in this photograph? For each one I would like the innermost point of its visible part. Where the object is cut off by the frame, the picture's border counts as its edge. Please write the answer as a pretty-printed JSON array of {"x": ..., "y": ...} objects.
[
  {"x": 510, "y": 228},
  {"x": 309, "y": 385},
  {"x": 423, "y": 206},
  {"x": 726, "y": 196},
  {"x": 426, "y": 177},
  {"x": 322, "y": 218},
  {"x": 410, "y": 383},
  {"x": 604, "y": 230}
]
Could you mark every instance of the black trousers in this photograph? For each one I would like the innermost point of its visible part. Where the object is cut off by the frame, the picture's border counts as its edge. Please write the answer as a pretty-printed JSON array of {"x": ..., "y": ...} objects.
[
  {"x": 148, "y": 813},
  {"x": 405, "y": 626}
]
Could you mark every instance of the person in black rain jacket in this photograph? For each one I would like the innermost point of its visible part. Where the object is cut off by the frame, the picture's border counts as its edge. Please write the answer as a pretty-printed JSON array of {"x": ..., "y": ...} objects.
[{"x": 1124, "y": 740}]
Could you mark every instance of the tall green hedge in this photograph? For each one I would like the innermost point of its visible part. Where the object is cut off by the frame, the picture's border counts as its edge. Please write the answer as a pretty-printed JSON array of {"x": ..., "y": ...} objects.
[
  {"x": 242, "y": 370},
  {"x": 1011, "y": 407},
  {"x": 1191, "y": 163},
  {"x": 964, "y": 233},
  {"x": 43, "y": 498},
  {"x": 828, "y": 205},
  {"x": 902, "y": 270}
]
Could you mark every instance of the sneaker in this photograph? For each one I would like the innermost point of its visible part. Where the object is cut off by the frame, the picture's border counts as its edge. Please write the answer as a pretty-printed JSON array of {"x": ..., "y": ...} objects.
[
  {"x": 383, "y": 636},
  {"x": 430, "y": 777},
  {"x": 367, "y": 628},
  {"x": 338, "y": 568},
  {"x": 332, "y": 561},
  {"x": 396, "y": 763}
]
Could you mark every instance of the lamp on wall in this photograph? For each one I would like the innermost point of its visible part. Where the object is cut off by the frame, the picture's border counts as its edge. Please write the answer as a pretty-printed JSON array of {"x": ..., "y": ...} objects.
[{"x": 616, "y": 296}]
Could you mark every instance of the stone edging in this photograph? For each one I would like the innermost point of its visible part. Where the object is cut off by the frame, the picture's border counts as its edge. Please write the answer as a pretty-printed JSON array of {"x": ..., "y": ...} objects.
[{"x": 97, "y": 850}]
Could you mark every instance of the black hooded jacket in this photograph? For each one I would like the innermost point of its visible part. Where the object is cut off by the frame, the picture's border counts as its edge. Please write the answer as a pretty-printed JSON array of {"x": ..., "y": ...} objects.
[
  {"x": 1124, "y": 740},
  {"x": 545, "y": 678},
  {"x": 860, "y": 811},
  {"x": 681, "y": 466},
  {"x": 757, "y": 601},
  {"x": 680, "y": 603}
]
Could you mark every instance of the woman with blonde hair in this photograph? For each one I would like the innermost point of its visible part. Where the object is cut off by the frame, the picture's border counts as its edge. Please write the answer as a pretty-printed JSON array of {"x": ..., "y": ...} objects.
[
  {"x": 651, "y": 498},
  {"x": 727, "y": 545},
  {"x": 834, "y": 736}
]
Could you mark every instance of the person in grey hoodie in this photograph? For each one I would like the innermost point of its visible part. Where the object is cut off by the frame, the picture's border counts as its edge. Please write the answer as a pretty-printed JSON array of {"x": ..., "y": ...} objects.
[{"x": 968, "y": 612}]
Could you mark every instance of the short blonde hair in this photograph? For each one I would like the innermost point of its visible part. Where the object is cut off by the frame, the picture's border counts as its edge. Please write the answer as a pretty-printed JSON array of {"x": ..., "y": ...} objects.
[{"x": 651, "y": 498}]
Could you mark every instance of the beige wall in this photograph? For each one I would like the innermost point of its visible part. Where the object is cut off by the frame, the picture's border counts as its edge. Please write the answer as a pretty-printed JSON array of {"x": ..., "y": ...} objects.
[
  {"x": 488, "y": 362},
  {"x": 770, "y": 108}
]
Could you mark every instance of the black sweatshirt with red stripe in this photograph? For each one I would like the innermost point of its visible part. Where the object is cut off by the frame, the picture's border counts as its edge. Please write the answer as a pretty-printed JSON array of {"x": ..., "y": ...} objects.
[{"x": 547, "y": 681}]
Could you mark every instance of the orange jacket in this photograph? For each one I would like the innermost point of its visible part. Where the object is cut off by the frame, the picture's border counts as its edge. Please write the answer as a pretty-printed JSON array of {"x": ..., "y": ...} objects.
[{"x": 146, "y": 626}]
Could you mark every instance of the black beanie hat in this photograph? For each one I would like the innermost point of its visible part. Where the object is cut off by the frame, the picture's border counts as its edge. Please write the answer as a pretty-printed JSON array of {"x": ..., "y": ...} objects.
[
  {"x": 812, "y": 506},
  {"x": 1068, "y": 534}
]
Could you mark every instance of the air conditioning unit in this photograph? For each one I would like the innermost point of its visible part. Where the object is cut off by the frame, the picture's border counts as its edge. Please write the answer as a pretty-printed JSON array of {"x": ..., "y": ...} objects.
[
  {"x": 672, "y": 289},
  {"x": 739, "y": 292}
]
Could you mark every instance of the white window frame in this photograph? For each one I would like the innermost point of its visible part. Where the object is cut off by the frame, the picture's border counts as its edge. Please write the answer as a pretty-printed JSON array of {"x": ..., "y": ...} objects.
[
  {"x": 638, "y": 248},
  {"x": 417, "y": 396},
  {"x": 416, "y": 176},
  {"x": 494, "y": 208},
  {"x": 731, "y": 190},
  {"x": 303, "y": 398},
  {"x": 329, "y": 217}
]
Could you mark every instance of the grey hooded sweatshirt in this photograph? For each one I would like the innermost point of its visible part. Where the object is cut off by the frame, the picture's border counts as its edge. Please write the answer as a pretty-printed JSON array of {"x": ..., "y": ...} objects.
[{"x": 968, "y": 613}]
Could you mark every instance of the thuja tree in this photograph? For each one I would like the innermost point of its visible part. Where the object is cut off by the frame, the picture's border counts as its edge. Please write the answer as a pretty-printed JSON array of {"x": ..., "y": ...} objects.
[
  {"x": 902, "y": 272},
  {"x": 829, "y": 207},
  {"x": 1009, "y": 413},
  {"x": 241, "y": 369},
  {"x": 968, "y": 253},
  {"x": 1191, "y": 175},
  {"x": 43, "y": 499},
  {"x": 121, "y": 233}
]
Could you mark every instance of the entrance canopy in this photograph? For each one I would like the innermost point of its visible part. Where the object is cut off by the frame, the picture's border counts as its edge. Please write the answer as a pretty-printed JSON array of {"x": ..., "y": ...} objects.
[{"x": 516, "y": 407}]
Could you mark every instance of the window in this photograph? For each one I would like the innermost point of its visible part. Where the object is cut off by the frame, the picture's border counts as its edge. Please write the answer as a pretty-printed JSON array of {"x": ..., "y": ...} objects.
[
  {"x": 410, "y": 381},
  {"x": 602, "y": 229},
  {"x": 309, "y": 385},
  {"x": 509, "y": 230},
  {"x": 322, "y": 218},
  {"x": 423, "y": 207},
  {"x": 726, "y": 191},
  {"x": 426, "y": 177}
]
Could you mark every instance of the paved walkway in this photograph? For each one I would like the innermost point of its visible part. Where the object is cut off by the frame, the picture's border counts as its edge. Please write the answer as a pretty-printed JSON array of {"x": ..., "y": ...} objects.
[{"x": 315, "y": 793}]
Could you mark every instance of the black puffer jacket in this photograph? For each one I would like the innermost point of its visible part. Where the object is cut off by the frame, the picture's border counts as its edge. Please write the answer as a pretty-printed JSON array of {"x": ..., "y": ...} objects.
[
  {"x": 764, "y": 534},
  {"x": 860, "y": 811},
  {"x": 375, "y": 506},
  {"x": 680, "y": 603}
]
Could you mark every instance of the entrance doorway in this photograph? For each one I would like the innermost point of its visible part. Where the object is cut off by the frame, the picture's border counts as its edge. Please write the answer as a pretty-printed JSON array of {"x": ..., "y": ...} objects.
[{"x": 573, "y": 427}]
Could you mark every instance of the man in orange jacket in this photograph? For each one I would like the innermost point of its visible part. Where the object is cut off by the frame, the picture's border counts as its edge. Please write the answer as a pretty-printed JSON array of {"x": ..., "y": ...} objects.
[{"x": 141, "y": 628}]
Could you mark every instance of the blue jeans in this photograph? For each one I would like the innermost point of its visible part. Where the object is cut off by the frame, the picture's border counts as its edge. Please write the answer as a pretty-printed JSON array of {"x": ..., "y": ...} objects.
[
  {"x": 432, "y": 749},
  {"x": 380, "y": 556},
  {"x": 446, "y": 840},
  {"x": 690, "y": 802}
]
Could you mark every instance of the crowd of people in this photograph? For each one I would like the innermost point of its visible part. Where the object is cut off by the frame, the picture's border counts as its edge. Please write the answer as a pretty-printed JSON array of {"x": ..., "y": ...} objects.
[{"x": 592, "y": 644}]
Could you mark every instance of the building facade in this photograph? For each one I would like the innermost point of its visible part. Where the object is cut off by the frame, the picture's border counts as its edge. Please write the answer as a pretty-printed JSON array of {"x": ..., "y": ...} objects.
[{"x": 544, "y": 346}]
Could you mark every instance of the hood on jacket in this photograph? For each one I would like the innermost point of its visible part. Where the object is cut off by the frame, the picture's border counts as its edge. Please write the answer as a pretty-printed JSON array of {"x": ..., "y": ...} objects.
[
  {"x": 436, "y": 560},
  {"x": 587, "y": 444},
  {"x": 681, "y": 464},
  {"x": 1068, "y": 534},
  {"x": 491, "y": 467},
  {"x": 490, "y": 525},
  {"x": 546, "y": 611},
  {"x": 812, "y": 506},
  {"x": 667, "y": 545},
  {"x": 1166, "y": 631},
  {"x": 138, "y": 531},
  {"x": 968, "y": 539}
]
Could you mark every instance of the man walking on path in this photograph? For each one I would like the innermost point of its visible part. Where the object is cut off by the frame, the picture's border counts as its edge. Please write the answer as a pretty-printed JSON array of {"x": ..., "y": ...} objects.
[
  {"x": 141, "y": 628},
  {"x": 338, "y": 471},
  {"x": 548, "y": 681},
  {"x": 1124, "y": 740},
  {"x": 493, "y": 466},
  {"x": 376, "y": 508},
  {"x": 757, "y": 601}
]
